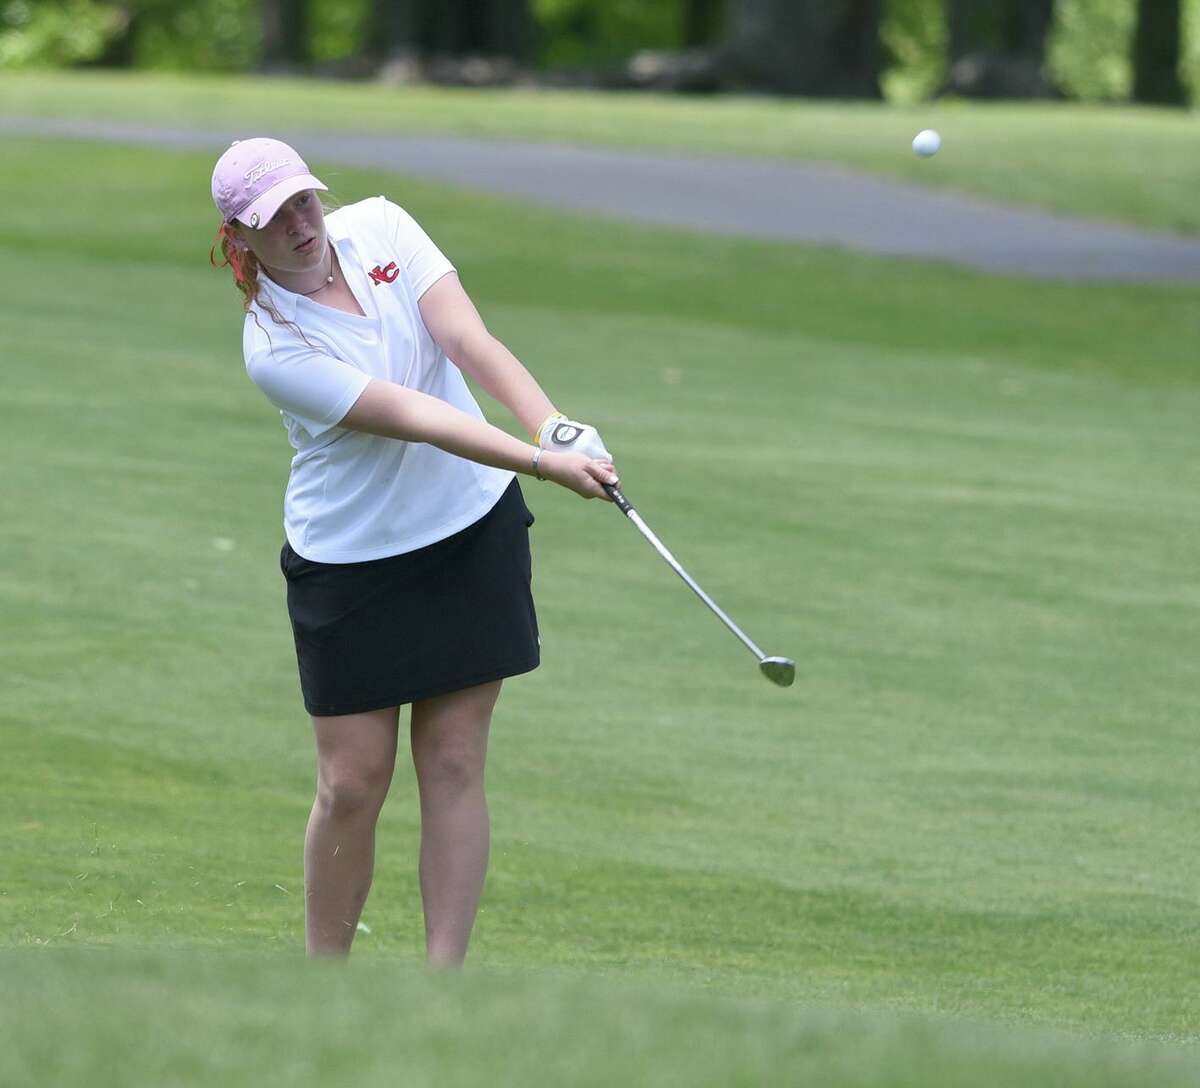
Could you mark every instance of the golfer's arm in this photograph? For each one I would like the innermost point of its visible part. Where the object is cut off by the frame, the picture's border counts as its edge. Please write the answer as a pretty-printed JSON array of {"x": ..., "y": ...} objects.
[
  {"x": 452, "y": 320},
  {"x": 394, "y": 411}
]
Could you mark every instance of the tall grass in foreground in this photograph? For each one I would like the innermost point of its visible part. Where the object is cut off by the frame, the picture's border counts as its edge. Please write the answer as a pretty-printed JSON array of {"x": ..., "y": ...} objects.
[{"x": 270, "y": 1022}]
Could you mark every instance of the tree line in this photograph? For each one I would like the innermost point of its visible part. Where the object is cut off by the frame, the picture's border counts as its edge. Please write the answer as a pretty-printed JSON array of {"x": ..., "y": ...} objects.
[
  {"x": 997, "y": 48},
  {"x": 831, "y": 48}
]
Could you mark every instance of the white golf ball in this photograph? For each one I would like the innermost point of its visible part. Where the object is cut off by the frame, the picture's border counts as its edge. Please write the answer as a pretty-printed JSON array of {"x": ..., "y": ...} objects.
[{"x": 927, "y": 143}]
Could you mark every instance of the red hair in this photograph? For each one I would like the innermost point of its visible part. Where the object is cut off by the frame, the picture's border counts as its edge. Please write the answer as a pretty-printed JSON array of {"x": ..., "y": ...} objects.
[{"x": 241, "y": 259}]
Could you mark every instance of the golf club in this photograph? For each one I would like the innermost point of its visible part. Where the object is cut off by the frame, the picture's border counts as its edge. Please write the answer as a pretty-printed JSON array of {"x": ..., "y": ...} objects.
[{"x": 779, "y": 670}]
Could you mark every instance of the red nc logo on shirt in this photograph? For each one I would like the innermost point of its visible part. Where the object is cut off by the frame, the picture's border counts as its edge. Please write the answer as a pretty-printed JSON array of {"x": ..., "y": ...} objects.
[{"x": 384, "y": 275}]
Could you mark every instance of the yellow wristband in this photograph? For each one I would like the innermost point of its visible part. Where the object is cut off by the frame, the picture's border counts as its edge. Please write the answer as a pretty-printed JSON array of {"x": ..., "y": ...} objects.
[{"x": 537, "y": 436}]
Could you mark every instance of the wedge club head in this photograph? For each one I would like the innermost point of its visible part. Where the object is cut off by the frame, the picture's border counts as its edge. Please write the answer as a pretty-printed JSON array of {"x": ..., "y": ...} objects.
[{"x": 779, "y": 670}]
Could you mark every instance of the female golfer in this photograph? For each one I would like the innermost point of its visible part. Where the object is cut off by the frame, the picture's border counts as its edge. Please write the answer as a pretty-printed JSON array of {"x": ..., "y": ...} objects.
[{"x": 407, "y": 553}]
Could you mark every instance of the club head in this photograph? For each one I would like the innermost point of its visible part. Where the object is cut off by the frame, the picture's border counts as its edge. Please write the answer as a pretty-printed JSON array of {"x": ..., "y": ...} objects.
[{"x": 779, "y": 670}]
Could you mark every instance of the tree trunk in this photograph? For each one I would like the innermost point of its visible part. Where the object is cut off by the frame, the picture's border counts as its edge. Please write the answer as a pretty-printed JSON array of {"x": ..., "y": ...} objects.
[
  {"x": 507, "y": 29},
  {"x": 806, "y": 47},
  {"x": 998, "y": 50},
  {"x": 285, "y": 35},
  {"x": 1156, "y": 49},
  {"x": 393, "y": 31},
  {"x": 701, "y": 22},
  {"x": 491, "y": 28}
]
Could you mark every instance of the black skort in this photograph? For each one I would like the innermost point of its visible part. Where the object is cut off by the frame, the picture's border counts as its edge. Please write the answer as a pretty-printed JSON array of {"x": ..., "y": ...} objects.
[{"x": 444, "y": 617}]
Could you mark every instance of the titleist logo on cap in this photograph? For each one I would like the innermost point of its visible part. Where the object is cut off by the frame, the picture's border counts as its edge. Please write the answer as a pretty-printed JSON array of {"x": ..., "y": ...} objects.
[
  {"x": 253, "y": 178},
  {"x": 254, "y": 173}
]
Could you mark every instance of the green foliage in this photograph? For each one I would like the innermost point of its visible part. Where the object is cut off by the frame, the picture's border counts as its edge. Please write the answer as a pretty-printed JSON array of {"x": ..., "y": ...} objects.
[
  {"x": 1089, "y": 48},
  {"x": 204, "y": 35},
  {"x": 336, "y": 31},
  {"x": 1091, "y": 44},
  {"x": 1088, "y": 51},
  {"x": 1191, "y": 47},
  {"x": 914, "y": 33},
  {"x": 580, "y": 33},
  {"x": 1088, "y": 54},
  {"x": 38, "y": 34}
]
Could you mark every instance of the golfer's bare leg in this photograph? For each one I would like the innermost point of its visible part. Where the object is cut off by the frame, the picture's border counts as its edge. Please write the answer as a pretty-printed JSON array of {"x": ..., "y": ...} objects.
[
  {"x": 356, "y": 754},
  {"x": 449, "y": 746}
]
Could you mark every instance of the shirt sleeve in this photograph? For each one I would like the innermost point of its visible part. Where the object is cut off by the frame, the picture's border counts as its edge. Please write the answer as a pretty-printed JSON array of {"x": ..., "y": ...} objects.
[
  {"x": 314, "y": 388},
  {"x": 423, "y": 261}
]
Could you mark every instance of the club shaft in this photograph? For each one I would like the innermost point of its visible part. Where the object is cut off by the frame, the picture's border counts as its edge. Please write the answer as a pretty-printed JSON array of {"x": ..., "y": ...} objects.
[{"x": 662, "y": 550}]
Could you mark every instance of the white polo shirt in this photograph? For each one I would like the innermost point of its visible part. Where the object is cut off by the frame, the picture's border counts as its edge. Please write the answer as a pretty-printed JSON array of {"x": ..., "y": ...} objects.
[{"x": 354, "y": 496}]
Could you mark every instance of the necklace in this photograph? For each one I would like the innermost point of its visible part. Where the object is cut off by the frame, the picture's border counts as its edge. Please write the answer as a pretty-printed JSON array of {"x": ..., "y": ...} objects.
[{"x": 328, "y": 279}]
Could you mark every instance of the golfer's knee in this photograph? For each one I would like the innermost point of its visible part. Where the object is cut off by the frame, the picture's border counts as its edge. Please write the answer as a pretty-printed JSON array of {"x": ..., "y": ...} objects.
[
  {"x": 453, "y": 767},
  {"x": 347, "y": 796}
]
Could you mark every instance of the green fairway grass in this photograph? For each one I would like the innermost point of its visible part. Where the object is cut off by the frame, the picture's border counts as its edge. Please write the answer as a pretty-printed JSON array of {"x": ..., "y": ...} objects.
[
  {"x": 964, "y": 504},
  {"x": 247, "y": 1021},
  {"x": 1131, "y": 165}
]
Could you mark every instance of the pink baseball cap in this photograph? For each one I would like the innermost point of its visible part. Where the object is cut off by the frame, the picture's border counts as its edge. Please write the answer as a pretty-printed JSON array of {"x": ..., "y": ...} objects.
[{"x": 254, "y": 177}]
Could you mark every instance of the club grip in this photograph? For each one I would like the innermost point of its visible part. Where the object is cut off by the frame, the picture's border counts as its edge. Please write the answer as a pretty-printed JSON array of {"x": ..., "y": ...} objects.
[{"x": 614, "y": 493}]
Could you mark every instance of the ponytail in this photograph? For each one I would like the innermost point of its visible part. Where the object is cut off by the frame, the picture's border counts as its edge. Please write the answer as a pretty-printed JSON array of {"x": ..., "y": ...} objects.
[
  {"x": 244, "y": 264},
  {"x": 241, "y": 261}
]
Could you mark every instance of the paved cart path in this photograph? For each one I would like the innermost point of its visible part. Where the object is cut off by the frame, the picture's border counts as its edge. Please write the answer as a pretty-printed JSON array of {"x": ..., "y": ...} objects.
[{"x": 791, "y": 201}]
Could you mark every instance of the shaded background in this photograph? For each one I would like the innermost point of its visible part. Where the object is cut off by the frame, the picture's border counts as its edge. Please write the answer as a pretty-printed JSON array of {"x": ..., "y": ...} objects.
[{"x": 902, "y": 50}]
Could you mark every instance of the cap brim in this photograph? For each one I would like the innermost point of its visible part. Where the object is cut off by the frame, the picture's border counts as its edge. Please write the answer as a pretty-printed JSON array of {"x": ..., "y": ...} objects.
[{"x": 272, "y": 200}]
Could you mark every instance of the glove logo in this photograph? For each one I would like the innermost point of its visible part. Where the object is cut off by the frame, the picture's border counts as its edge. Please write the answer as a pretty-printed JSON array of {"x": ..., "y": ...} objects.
[{"x": 565, "y": 434}]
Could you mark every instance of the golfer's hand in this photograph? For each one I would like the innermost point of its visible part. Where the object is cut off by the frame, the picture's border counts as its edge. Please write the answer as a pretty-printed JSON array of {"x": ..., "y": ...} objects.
[
  {"x": 583, "y": 475},
  {"x": 561, "y": 434}
]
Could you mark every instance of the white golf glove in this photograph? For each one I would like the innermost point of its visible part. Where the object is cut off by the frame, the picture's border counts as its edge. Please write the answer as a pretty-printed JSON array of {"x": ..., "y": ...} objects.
[{"x": 561, "y": 434}]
